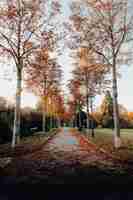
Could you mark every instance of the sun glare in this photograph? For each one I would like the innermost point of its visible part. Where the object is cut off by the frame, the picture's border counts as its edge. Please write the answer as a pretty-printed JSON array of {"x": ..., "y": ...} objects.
[{"x": 29, "y": 100}]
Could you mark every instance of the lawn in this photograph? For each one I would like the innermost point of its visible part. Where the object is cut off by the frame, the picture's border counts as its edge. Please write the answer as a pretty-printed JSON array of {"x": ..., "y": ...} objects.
[{"x": 104, "y": 139}]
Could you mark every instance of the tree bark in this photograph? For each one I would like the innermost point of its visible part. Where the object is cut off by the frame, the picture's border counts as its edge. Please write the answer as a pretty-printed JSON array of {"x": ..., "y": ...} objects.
[
  {"x": 92, "y": 122},
  {"x": 80, "y": 124},
  {"x": 44, "y": 110},
  {"x": 87, "y": 102},
  {"x": 44, "y": 119},
  {"x": 17, "y": 113},
  {"x": 87, "y": 107},
  {"x": 117, "y": 140},
  {"x": 51, "y": 116},
  {"x": 87, "y": 110},
  {"x": 51, "y": 121},
  {"x": 59, "y": 124}
]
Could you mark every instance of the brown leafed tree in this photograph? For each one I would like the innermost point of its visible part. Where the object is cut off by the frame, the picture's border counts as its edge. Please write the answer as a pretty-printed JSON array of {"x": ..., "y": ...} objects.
[
  {"x": 21, "y": 24},
  {"x": 76, "y": 100},
  {"x": 43, "y": 74},
  {"x": 91, "y": 75},
  {"x": 106, "y": 28}
]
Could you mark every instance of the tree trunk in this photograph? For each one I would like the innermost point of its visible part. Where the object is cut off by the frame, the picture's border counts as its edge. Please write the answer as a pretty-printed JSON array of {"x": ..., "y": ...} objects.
[
  {"x": 80, "y": 124},
  {"x": 92, "y": 122},
  {"x": 71, "y": 123},
  {"x": 17, "y": 112},
  {"x": 117, "y": 140},
  {"x": 57, "y": 118},
  {"x": 51, "y": 114},
  {"x": 44, "y": 120},
  {"x": 87, "y": 110},
  {"x": 44, "y": 110},
  {"x": 51, "y": 121},
  {"x": 59, "y": 124},
  {"x": 87, "y": 103}
]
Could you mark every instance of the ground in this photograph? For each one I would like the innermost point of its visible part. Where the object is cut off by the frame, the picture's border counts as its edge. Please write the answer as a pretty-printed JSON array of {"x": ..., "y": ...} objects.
[
  {"x": 104, "y": 139},
  {"x": 67, "y": 157}
]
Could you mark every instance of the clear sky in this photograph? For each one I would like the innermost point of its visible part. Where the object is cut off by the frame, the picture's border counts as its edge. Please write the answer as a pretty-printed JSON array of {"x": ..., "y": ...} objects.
[
  {"x": 125, "y": 84},
  {"x": 125, "y": 88}
]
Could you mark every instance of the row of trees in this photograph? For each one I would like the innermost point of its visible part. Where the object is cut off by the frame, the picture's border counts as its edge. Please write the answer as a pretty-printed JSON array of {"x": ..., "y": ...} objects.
[
  {"x": 101, "y": 32},
  {"x": 27, "y": 35},
  {"x": 104, "y": 33},
  {"x": 44, "y": 77},
  {"x": 88, "y": 80}
]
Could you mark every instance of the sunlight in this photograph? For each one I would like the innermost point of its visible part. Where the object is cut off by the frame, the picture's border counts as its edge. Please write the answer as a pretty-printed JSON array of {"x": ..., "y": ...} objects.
[{"x": 29, "y": 100}]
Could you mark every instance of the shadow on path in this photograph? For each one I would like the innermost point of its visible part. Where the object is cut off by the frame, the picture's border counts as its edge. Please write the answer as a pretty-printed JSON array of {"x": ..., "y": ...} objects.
[{"x": 67, "y": 158}]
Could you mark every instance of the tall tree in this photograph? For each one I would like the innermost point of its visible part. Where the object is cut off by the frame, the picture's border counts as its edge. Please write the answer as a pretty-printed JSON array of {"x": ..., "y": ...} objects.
[
  {"x": 77, "y": 100},
  {"x": 21, "y": 24},
  {"x": 106, "y": 28},
  {"x": 43, "y": 74},
  {"x": 91, "y": 76}
]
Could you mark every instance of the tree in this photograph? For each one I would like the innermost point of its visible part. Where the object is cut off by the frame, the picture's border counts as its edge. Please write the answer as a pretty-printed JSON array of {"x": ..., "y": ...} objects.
[
  {"x": 19, "y": 22},
  {"x": 20, "y": 37},
  {"x": 105, "y": 29},
  {"x": 107, "y": 110},
  {"x": 97, "y": 116},
  {"x": 76, "y": 100},
  {"x": 43, "y": 74},
  {"x": 57, "y": 105},
  {"x": 89, "y": 73},
  {"x": 92, "y": 76},
  {"x": 3, "y": 103}
]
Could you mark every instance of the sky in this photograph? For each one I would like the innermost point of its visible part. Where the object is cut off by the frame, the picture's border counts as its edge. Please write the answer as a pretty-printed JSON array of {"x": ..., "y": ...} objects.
[
  {"x": 8, "y": 85},
  {"x": 125, "y": 88}
]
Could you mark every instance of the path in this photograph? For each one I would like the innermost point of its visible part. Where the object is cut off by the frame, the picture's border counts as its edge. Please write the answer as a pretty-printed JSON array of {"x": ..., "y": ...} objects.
[
  {"x": 68, "y": 147},
  {"x": 67, "y": 158}
]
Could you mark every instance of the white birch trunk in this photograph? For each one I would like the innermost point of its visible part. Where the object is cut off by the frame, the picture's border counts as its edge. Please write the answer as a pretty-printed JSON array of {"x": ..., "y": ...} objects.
[
  {"x": 17, "y": 112},
  {"x": 117, "y": 139}
]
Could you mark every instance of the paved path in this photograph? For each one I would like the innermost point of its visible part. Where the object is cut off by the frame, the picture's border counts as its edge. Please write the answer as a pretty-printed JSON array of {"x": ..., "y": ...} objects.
[
  {"x": 67, "y": 157},
  {"x": 68, "y": 147}
]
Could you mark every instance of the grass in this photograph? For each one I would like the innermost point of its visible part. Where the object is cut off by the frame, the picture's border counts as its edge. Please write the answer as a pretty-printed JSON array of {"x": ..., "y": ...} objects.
[{"x": 104, "y": 139}]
